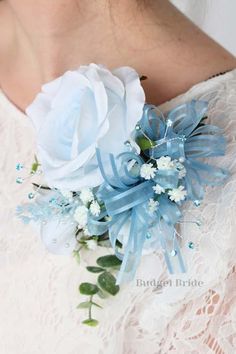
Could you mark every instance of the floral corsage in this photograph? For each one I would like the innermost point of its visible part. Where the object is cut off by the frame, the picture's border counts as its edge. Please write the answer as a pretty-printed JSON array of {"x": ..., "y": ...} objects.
[{"x": 116, "y": 172}]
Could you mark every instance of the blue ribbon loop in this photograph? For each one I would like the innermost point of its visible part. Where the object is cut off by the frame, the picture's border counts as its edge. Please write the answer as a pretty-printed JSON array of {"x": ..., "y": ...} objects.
[
  {"x": 126, "y": 195},
  {"x": 182, "y": 135}
]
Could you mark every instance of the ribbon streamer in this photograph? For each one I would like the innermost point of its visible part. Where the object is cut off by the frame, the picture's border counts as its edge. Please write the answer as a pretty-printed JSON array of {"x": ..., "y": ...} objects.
[{"x": 126, "y": 195}]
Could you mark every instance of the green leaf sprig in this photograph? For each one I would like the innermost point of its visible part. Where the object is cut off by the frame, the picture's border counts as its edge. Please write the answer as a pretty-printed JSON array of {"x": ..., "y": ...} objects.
[{"x": 105, "y": 285}]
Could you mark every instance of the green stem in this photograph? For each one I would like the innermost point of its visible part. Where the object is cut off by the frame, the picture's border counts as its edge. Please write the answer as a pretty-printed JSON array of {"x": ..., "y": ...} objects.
[
  {"x": 90, "y": 308},
  {"x": 80, "y": 248}
]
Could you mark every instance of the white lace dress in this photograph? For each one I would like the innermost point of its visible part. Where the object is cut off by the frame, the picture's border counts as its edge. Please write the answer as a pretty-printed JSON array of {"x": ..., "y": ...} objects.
[{"x": 39, "y": 291}]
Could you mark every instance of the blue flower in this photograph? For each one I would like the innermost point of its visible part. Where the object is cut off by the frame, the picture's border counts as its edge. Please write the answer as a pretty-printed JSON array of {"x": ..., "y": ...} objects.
[{"x": 84, "y": 109}]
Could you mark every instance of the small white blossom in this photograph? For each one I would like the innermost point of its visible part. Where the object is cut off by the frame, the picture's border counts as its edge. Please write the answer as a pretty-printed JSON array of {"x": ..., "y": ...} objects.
[
  {"x": 181, "y": 169},
  {"x": 147, "y": 171},
  {"x": 68, "y": 195},
  {"x": 182, "y": 173},
  {"x": 165, "y": 163},
  {"x": 86, "y": 196},
  {"x": 177, "y": 194},
  {"x": 91, "y": 245},
  {"x": 152, "y": 205},
  {"x": 81, "y": 216},
  {"x": 158, "y": 189},
  {"x": 95, "y": 208}
]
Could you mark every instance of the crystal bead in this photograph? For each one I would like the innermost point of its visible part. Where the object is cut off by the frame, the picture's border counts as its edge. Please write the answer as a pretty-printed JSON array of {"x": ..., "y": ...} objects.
[
  {"x": 138, "y": 127},
  {"x": 19, "y": 180},
  {"x": 31, "y": 195},
  {"x": 127, "y": 143},
  {"x": 19, "y": 166},
  {"x": 198, "y": 222},
  {"x": 173, "y": 253},
  {"x": 148, "y": 236},
  {"x": 169, "y": 123},
  {"x": 191, "y": 245},
  {"x": 181, "y": 159}
]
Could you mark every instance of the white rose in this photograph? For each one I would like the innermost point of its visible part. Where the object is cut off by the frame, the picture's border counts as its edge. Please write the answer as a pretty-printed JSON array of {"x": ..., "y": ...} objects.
[{"x": 84, "y": 109}]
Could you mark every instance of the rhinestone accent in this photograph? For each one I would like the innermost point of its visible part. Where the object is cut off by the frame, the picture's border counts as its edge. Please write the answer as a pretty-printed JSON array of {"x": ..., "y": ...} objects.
[
  {"x": 19, "y": 180},
  {"x": 19, "y": 166},
  {"x": 173, "y": 253},
  {"x": 148, "y": 236},
  {"x": 191, "y": 245}
]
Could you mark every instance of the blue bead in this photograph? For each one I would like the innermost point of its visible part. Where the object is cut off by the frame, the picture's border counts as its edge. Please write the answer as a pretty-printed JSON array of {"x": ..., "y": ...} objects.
[
  {"x": 148, "y": 235},
  {"x": 173, "y": 253},
  {"x": 127, "y": 143},
  {"x": 31, "y": 195},
  {"x": 19, "y": 166},
  {"x": 191, "y": 245},
  {"x": 19, "y": 180},
  {"x": 198, "y": 222},
  {"x": 169, "y": 123}
]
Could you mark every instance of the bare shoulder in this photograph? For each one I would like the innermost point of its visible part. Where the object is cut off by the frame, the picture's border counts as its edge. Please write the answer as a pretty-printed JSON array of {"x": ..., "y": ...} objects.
[
  {"x": 6, "y": 35},
  {"x": 189, "y": 58},
  {"x": 204, "y": 54},
  {"x": 197, "y": 50}
]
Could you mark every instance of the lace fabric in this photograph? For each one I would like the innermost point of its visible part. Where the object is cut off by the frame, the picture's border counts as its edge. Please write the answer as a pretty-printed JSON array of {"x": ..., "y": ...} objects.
[{"x": 184, "y": 313}]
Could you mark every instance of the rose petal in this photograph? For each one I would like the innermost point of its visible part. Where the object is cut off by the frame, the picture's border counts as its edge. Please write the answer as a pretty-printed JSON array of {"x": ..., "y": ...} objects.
[{"x": 135, "y": 97}]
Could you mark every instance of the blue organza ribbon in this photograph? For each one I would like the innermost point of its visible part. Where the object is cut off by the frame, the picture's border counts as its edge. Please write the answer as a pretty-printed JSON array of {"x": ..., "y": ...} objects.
[
  {"x": 181, "y": 135},
  {"x": 126, "y": 196}
]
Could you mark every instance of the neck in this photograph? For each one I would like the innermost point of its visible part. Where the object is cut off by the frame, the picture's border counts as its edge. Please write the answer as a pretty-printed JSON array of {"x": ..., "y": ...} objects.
[
  {"x": 61, "y": 35},
  {"x": 44, "y": 38}
]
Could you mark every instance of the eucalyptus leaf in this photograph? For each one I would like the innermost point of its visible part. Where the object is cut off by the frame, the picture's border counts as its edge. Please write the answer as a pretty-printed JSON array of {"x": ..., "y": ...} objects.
[
  {"x": 84, "y": 305},
  {"x": 107, "y": 282},
  {"x": 90, "y": 322},
  {"x": 88, "y": 289},
  {"x": 108, "y": 261},
  {"x": 102, "y": 294},
  {"x": 95, "y": 269}
]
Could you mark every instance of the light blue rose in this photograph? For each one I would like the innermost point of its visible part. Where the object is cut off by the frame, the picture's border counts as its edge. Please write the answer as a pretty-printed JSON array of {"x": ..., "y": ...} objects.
[{"x": 84, "y": 109}]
